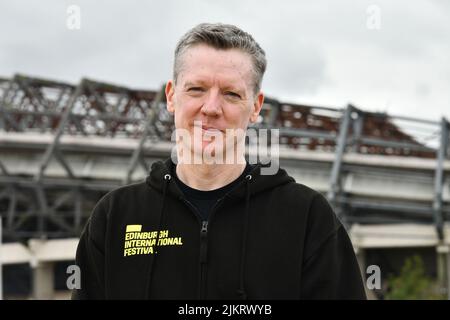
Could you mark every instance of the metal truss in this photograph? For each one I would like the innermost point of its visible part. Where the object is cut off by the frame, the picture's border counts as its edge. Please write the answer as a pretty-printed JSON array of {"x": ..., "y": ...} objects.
[{"x": 41, "y": 205}]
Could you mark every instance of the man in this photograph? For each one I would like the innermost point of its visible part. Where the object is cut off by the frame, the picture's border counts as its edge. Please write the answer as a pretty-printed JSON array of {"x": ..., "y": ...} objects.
[{"x": 207, "y": 229}]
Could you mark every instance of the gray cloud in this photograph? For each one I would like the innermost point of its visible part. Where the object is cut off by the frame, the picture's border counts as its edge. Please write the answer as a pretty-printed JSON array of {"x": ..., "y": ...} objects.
[{"x": 319, "y": 52}]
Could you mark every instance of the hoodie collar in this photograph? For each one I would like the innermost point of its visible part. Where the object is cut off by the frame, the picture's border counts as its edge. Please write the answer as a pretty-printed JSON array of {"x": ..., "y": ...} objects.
[{"x": 259, "y": 183}]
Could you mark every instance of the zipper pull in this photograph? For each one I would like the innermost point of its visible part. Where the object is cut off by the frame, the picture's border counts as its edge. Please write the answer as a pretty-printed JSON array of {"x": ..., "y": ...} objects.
[
  {"x": 203, "y": 242},
  {"x": 204, "y": 229}
]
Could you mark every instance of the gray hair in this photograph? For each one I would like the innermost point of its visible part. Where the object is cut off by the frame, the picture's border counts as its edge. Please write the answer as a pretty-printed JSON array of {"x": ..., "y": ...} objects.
[{"x": 223, "y": 36}]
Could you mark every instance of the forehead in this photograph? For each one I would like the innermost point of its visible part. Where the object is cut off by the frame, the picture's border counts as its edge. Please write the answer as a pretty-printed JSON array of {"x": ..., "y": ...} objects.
[{"x": 204, "y": 63}]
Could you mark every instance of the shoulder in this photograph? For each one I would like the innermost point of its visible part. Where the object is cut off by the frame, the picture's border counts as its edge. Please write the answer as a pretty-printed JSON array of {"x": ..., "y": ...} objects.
[
  {"x": 124, "y": 193},
  {"x": 304, "y": 195},
  {"x": 321, "y": 220},
  {"x": 114, "y": 199},
  {"x": 311, "y": 202}
]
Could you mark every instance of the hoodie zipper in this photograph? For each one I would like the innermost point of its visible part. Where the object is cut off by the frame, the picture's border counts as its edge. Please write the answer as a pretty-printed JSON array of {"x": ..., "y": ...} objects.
[
  {"x": 203, "y": 258},
  {"x": 203, "y": 243}
]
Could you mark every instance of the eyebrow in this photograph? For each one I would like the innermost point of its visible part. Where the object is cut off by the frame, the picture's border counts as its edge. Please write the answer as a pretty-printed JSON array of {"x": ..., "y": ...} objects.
[
  {"x": 201, "y": 82},
  {"x": 193, "y": 83},
  {"x": 231, "y": 88}
]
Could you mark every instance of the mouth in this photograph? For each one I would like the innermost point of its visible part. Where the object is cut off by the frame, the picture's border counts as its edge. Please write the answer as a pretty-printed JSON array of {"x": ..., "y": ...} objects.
[{"x": 209, "y": 129}]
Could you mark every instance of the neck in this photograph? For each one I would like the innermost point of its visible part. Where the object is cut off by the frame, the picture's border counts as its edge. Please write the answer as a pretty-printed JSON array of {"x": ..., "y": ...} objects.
[{"x": 207, "y": 177}]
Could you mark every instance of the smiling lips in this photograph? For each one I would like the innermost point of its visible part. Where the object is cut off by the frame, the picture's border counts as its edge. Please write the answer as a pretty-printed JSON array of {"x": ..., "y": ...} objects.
[{"x": 209, "y": 130}]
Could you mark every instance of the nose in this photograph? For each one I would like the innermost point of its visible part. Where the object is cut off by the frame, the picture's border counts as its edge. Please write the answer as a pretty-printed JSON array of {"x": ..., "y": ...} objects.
[{"x": 212, "y": 106}]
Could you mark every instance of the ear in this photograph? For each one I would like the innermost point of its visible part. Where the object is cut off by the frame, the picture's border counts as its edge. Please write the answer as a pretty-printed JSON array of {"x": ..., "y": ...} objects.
[
  {"x": 257, "y": 105},
  {"x": 169, "y": 96}
]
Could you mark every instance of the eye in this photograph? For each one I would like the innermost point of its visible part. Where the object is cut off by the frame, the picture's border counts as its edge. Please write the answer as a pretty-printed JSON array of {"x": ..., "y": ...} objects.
[
  {"x": 233, "y": 94},
  {"x": 196, "y": 89}
]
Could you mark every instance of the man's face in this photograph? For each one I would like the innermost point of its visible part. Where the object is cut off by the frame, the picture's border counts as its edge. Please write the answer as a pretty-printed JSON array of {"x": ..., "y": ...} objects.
[{"x": 216, "y": 88}]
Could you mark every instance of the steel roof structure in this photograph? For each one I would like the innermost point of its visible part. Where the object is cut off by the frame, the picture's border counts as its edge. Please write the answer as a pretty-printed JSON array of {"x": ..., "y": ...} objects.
[{"x": 63, "y": 146}]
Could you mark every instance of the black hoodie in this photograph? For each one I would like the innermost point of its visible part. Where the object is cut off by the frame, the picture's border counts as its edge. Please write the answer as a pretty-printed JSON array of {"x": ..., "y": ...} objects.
[{"x": 268, "y": 238}]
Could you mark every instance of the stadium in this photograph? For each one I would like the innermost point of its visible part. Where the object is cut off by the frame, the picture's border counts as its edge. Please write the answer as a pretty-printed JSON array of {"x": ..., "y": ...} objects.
[{"x": 65, "y": 145}]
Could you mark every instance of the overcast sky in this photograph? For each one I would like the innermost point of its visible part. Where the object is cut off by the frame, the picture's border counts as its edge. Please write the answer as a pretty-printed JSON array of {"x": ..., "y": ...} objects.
[{"x": 391, "y": 56}]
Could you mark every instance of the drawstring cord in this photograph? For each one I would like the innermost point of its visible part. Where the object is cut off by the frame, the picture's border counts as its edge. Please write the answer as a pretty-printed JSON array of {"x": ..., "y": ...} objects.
[
  {"x": 241, "y": 291},
  {"x": 167, "y": 178}
]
